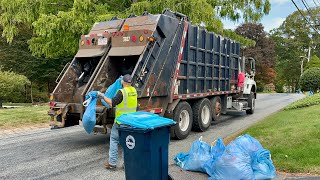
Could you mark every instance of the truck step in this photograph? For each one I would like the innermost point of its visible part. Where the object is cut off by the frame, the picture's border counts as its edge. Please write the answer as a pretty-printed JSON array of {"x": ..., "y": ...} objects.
[{"x": 242, "y": 99}]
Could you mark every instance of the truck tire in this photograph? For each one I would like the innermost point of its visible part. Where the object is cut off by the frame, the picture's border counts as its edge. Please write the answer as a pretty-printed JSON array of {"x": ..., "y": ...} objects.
[
  {"x": 216, "y": 108},
  {"x": 182, "y": 114},
  {"x": 202, "y": 115},
  {"x": 251, "y": 103},
  {"x": 72, "y": 120}
]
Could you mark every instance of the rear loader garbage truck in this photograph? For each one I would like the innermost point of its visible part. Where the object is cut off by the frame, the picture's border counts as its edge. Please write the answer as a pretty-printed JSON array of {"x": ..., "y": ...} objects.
[{"x": 181, "y": 71}]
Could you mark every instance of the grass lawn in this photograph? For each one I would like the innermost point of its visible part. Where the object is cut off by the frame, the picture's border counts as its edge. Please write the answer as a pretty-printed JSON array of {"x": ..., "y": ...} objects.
[
  {"x": 18, "y": 117},
  {"x": 17, "y": 104},
  {"x": 293, "y": 137}
]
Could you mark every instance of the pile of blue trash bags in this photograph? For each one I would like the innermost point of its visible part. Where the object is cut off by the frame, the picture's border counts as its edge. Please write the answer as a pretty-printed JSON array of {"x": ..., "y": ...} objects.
[
  {"x": 244, "y": 158},
  {"x": 89, "y": 116}
]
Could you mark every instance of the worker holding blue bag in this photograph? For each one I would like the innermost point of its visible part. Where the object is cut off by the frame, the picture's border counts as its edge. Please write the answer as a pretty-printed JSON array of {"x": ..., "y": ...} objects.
[{"x": 125, "y": 101}]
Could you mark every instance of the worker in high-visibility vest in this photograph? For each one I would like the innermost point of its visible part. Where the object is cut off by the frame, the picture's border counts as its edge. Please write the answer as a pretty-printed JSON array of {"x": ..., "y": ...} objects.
[{"x": 125, "y": 101}]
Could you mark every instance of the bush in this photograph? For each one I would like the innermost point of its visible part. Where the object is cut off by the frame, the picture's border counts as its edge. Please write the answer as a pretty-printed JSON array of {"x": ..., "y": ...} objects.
[
  {"x": 12, "y": 86},
  {"x": 260, "y": 86},
  {"x": 40, "y": 96},
  {"x": 308, "y": 101},
  {"x": 310, "y": 79},
  {"x": 314, "y": 62},
  {"x": 279, "y": 87}
]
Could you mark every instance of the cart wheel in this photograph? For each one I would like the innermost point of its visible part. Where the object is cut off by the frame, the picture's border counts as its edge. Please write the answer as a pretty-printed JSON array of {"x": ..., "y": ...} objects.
[
  {"x": 170, "y": 177},
  {"x": 182, "y": 114},
  {"x": 202, "y": 115}
]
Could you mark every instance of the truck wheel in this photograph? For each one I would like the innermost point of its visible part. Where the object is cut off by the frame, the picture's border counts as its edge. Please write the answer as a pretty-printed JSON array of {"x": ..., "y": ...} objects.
[
  {"x": 251, "y": 103},
  {"x": 216, "y": 108},
  {"x": 72, "y": 120},
  {"x": 202, "y": 115},
  {"x": 182, "y": 114}
]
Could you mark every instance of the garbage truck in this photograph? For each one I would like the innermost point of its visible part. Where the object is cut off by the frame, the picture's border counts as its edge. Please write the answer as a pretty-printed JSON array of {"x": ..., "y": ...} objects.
[{"x": 180, "y": 70}]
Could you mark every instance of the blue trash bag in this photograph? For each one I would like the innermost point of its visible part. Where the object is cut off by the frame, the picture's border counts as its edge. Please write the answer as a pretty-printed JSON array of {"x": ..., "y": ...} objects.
[
  {"x": 218, "y": 149},
  {"x": 262, "y": 165},
  {"x": 261, "y": 162},
  {"x": 215, "y": 153},
  {"x": 195, "y": 158},
  {"x": 245, "y": 143},
  {"x": 232, "y": 165},
  {"x": 181, "y": 158},
  {"x": 112, "y": 91},
  {"x": 89, "y": 116}
]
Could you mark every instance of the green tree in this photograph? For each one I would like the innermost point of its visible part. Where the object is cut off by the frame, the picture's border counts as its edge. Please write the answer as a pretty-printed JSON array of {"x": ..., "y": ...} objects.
[
  {"x": 40, "y": 71},
  {"x": 310, "y": 79},
  {"x": 57, "y": 24},
  {"x": 52, "y": 28},
  {"x": 314, "y": 62},
  {"x": 12, "y": 86},
  {"x": 293, "y": 39}
]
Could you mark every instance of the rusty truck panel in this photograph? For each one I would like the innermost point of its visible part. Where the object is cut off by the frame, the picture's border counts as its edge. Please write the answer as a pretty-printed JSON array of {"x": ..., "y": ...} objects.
[
  {"x": 147, "y": 22},
  {"x": 72, "y": 87},
  {"x": 109, "y": 26}
]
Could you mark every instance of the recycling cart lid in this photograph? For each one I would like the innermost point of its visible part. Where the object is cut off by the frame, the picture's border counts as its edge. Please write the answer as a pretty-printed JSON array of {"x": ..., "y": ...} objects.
[{"x": 144, "y": 120}]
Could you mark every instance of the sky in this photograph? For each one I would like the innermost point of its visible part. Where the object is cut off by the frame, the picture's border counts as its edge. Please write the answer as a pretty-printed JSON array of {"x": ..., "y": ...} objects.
[{"x": 280, "y": 9}]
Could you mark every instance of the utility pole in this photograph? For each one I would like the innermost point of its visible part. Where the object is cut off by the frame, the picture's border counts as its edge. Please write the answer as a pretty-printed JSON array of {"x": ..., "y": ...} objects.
[
  {"x": 301, "y": 65},
  {"x": 309, "y": 52}
]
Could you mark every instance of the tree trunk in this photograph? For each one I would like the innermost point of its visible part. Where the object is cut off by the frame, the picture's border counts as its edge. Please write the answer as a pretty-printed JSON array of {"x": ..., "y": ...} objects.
[
  {"x": 26, "y": 92},
  {"x": 31, "y": 93},
  {"x": 48, "y": 89},
  {"x": 0, "y": 103}
]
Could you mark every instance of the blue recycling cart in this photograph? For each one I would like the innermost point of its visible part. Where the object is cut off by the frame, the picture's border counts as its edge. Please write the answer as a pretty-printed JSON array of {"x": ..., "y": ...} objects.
[{"x": 145, "y": 139}]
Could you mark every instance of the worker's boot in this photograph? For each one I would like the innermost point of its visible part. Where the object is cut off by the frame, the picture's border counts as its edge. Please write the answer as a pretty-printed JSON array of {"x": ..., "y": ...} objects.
[{"x": 109, "y": 166}]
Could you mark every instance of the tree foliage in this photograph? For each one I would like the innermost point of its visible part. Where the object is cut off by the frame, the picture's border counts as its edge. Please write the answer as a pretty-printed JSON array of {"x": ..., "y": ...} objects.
[
  {"x": 17, "y": 58},
  {"x": 11, "y": 85},
  {"x": 52, "y": 28},
  {"x": 314, "y": 62},
  {"x": 310, "y": 79},
  {"x": 263, "y": 52},
  {"x": 57, "y": 24},
  {"x": 293, "y": 39},
  {"x": 42, "y": 72}
]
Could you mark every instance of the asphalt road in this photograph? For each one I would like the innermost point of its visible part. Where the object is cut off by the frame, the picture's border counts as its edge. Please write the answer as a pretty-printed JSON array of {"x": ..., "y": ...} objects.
[{"x": 70, "y": 153}]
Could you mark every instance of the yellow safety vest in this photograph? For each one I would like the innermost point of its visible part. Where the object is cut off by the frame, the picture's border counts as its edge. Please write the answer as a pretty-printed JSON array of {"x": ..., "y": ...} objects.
[{"x": 129, "y": 102}]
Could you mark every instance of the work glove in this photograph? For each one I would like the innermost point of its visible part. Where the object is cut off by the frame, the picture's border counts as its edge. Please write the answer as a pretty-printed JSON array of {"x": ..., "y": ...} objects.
[{"x": 100, "y": 95}]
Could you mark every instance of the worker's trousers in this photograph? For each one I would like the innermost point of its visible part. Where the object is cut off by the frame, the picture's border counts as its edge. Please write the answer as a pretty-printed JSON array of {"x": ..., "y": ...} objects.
[{"x": 114, "y": 141}]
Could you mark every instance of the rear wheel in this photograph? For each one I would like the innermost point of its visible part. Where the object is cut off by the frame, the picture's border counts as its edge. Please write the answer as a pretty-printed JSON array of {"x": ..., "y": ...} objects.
[
  {"x": 182, "y": 114},
  {"x": 216, "y": 108},
  {"x": 72, "y": 120},
  {"x": 251, "y": 103},
  {"x": 202, "y": 115}
]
